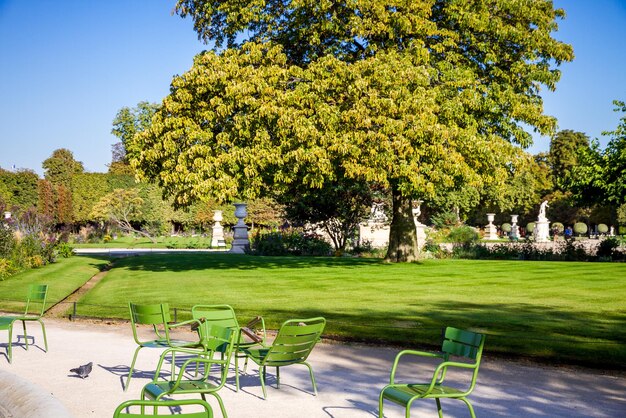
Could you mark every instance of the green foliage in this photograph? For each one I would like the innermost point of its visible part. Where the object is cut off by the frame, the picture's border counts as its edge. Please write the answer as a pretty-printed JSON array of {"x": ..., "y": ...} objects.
[
  {"x": 608, "y": 249},
  {"x": 444, "y": 220},
  {"x": 126, "y": 124},
  {"x": 463, "y": 234},
  {"x": 506, "y": 227},
  {"x": 621, "y": 214},
  {"x": 530, "y": 227},
  {"x": 603, "y": 228},
  {"x": 18, "y": 188},
  {"x": 289, "y": 242},
  {"x": 422, "y": 100},
  {"x": 558, "y": 227},
  {"x": 61, "y": 166},
  {"x": 565, "y": 148},
  {"x": 580, "y": 228},
  {"x": 7, "y": 240}
]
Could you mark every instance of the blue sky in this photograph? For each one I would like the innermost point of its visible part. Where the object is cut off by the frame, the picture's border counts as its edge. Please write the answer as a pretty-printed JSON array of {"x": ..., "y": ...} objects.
[{"x": 67, "y": 67}]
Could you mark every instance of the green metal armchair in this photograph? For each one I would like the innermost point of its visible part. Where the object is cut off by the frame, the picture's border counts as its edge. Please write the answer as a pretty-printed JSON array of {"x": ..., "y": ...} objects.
[
  {"x": 35, "y": 307},
  {"x": 158, "y": 316},
  {"x": 214, "y": 340},
  {"x": 155, "y": 406},
  {"x": 224, "y": 315},
  {"x": 293, "y": 344},
  {"x": 467, "y": 345}
]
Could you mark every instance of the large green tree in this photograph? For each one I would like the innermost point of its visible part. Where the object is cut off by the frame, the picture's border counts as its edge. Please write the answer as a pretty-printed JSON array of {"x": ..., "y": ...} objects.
[{"x": 418, "y": 97}]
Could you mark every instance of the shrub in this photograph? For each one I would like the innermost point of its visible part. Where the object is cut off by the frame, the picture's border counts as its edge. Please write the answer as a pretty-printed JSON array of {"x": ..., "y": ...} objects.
[
  {"x": 530, "y": 227},
  {"x": 444, "y": 220},
  {"x": 65, "y": 250},
  {"x": 558, "y": 227},
  {"x": 608, "y": 249},
  {"x": 603, "y": 229},
  {"x": 506, "y": 227},
  {"x": 580, "y": 228},
  {"x": 6, "y": 268},
  {"x": 7, "y": 241},
  {"x": 288, "y": 243},
  {"x": 464, "y": 235}
]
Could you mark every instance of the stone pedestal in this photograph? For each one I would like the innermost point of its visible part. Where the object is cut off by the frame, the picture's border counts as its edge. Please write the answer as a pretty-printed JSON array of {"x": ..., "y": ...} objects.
[
  {"x": 491, "y": 231},
  {"x": 240, "y": 236},
  {"x": 217, "y": 239},
  {"x": 420, "y": 228},
  {"x": 542, "y": 231},
  {"x": 514, "y": 228}
]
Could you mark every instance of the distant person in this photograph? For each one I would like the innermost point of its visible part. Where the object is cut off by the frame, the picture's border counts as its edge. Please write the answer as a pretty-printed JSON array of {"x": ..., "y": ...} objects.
[{"x": 568, "y": 232}]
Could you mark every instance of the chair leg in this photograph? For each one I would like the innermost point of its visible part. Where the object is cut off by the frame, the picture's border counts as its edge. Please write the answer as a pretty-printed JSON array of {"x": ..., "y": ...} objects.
[
  {"x": 277, "y": 377},
  {"x": 380, "y": 404},
  {"x": 312, "y": 377},
  {"x": 236, "y": 373},
  {"x": 25, "y": 335},
  {"x": 9, "y": 350},
  {"x": 469, "y": 406},
  {"x": 219, "y": 400},
  {"x": 439, "y": 410},
  {"x": 43, "y": 331},
  {"x": 132, "y": 365},
  {"x": 262, "y": 376}
]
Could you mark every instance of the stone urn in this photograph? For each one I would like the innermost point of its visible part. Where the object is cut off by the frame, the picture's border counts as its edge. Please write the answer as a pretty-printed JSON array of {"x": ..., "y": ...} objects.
[
  {"x": 491, "y": 232},
  {"x": 241, "y": 241}
]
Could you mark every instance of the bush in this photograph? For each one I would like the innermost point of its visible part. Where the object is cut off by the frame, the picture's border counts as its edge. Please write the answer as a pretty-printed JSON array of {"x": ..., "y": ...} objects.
[
  {"x": 607, "y": 250},
  {"x": 506, "y": 227},
  {"x": 530, "y": 227},
  {"x": 580, "y": 228},
  {"x": 558, "y": 227},
  {"x": 603, "y": 229},
  {"x": 7, "y": 241},
  {"x": 464, "y": 235},
  {"x": 444, "y": 220},
  {"x": 6, "y": 268},
  {"x": 289, "y": 243}
]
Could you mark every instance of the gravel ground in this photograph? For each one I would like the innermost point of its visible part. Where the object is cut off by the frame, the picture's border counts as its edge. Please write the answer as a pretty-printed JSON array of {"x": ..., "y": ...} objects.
[{"x": 349, "y": 378}]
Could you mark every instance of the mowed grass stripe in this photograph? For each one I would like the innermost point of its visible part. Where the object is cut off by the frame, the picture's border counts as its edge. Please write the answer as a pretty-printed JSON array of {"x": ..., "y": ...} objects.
[{"x": 560, "y": 311}]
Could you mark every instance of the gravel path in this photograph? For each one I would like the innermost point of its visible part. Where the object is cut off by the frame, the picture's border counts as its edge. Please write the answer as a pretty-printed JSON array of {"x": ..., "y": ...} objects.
[{"x": 349, "y": 379}]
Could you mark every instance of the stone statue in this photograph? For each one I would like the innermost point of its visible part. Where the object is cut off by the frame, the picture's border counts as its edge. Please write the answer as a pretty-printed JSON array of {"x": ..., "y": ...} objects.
[{"x": 542, "y": 211}]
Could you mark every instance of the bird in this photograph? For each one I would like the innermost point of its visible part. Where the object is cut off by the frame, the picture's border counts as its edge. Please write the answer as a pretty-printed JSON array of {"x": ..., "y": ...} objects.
[{"x": 83, "y": 371}]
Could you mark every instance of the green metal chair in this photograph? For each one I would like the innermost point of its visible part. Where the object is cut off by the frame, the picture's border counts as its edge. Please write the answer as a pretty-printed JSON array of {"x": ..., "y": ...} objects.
[
  {"x": 224, "y": 315},
  {"x": 467, "y": 345},
  {"x": 35, "y": 307},
  {"x": 214, "y": 340},
  {"x": 155, "y": 406},
  {"x": 293, "y": 344},
  {"x": 158, "y": 316}
]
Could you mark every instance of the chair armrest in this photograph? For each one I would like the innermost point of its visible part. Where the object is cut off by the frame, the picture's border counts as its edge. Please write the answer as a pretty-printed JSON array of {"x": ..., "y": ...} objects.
[
  {"x": 252, "y": 324},
  {"x": 413, "y": 353},
  {"x": 441, "y": 370},
  {"x": 193, "y": 322}
]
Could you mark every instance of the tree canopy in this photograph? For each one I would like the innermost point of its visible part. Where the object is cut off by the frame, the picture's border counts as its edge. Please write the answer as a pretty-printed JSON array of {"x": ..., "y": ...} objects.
[{"x": 418, "y": 97}]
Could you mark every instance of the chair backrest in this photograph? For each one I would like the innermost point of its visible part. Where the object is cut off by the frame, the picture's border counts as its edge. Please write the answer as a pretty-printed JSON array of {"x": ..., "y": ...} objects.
[
  {"x": 157, "y": 315},
  {"x": 36, "y": 300},
  {"x": 216, "y": 338},
  {"x": 150, "y": 408},
  {"x": 462, "y": 343},
  {"x": 465, "y": 344},
  {"x": 222, "y": 315},
  {"x": 295, "y": 341}
]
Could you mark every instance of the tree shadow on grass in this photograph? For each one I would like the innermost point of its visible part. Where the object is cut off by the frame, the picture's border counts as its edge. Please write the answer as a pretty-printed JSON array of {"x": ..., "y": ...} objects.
[
  {"x": 546, "y": 334},
  {"x": 202, "y": 261}
]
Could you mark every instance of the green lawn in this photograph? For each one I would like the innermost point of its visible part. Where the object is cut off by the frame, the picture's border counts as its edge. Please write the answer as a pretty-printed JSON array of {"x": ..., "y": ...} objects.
[
  {"x": 143, "y": 242},
  {"x": 556, "y": 311},
  {"x": 63, "y": 278}
]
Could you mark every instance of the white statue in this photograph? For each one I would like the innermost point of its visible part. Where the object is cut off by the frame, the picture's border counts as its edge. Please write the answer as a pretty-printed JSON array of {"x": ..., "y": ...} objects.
[{"x": 542, "y": 211}]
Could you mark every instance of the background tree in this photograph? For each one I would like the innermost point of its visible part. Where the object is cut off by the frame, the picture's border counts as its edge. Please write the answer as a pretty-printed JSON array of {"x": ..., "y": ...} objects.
[
  {"x": 126, "y": 124},
  {"x": 61, "y": 166},
  {"x": 122, "y": 207},
  {"x": 19, "y": 188},
  {"x": 565, "y": 147},
  {"x": 417, "y": 97}
]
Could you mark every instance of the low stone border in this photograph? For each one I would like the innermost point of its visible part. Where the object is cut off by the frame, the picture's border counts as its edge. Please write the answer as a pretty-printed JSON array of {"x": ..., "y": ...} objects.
[{"x": 20, "y": 398}]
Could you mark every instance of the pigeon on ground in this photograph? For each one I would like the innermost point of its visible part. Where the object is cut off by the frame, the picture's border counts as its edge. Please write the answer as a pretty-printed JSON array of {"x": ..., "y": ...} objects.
[{"x": 83, "y": 371}]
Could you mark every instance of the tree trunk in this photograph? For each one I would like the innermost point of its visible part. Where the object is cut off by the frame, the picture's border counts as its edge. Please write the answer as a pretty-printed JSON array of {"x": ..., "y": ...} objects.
[{"x": 402, "y": 232}]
